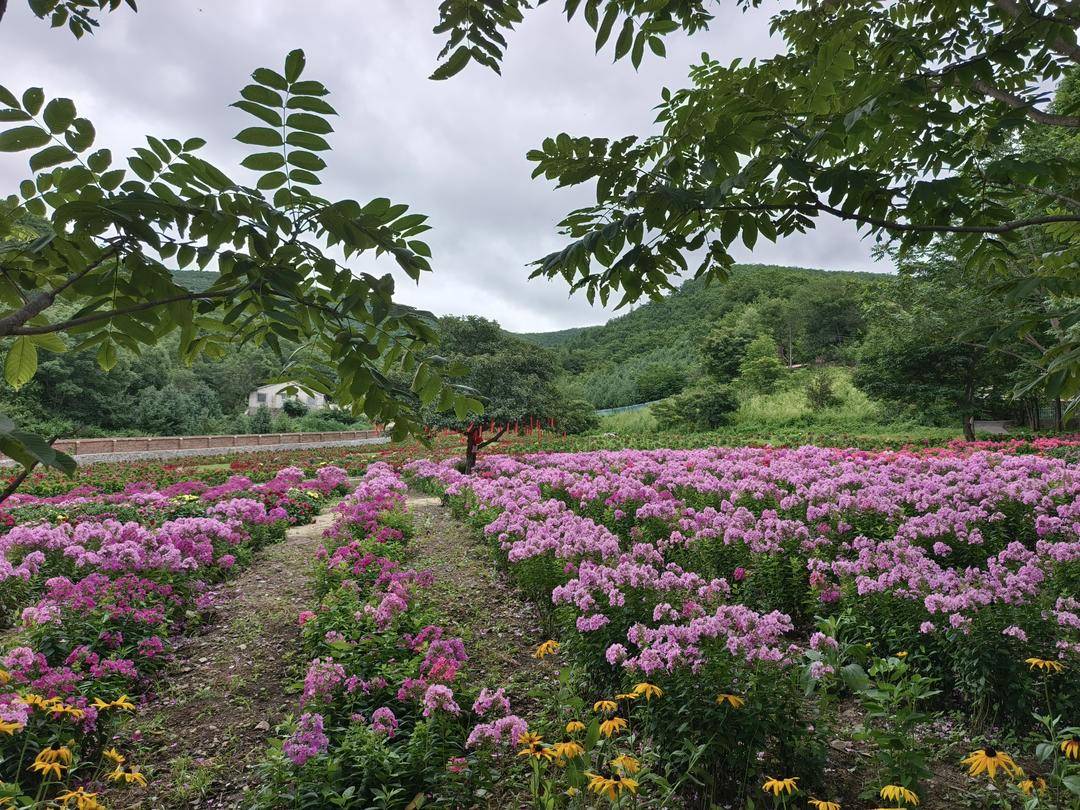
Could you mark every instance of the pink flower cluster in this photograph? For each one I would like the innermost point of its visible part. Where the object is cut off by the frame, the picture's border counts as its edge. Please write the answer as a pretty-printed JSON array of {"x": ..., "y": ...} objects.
[{"x": 963, "y": 535}]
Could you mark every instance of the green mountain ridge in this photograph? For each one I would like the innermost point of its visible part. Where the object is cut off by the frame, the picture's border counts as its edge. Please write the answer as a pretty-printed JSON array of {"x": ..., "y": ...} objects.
[{"x": 812, "y": 313}]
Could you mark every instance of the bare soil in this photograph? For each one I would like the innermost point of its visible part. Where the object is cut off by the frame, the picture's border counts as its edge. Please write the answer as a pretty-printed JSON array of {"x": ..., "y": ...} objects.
[{"x": 206, "y": 729}]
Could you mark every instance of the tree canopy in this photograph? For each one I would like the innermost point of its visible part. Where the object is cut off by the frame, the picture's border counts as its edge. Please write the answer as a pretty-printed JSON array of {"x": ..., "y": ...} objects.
[
  {"x": 907, "y": 119},
  {"x": 89, "y": 245}
]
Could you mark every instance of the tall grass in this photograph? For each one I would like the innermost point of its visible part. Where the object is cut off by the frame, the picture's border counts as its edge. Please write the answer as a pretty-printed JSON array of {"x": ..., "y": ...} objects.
[
  {"x": 639, "y": 421},
  {"x": 789, "y": 406}
]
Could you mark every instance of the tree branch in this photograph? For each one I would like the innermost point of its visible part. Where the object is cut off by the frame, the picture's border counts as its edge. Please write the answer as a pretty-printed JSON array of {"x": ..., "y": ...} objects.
[
  {"x": 1012, "y": 8},
  {"x": 1032, "y": 112},
  {"x": 43, "y": 300},
  {"x": 902, "y": 227},
  {"x": 99, "y": 316},
  {"x": 3, "y": 8},
  {"x": 493, "y": 439}
]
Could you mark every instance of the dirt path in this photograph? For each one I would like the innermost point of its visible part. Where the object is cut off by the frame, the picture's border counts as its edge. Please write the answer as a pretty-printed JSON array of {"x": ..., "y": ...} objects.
[
  {"x": 499, "y": 626},
  {"x": 229, "y": 687}
]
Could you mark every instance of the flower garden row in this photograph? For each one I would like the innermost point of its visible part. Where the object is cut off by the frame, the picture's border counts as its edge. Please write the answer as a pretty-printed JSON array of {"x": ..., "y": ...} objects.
[
  {"x": 262, "y": 465},
  {"x": 391, "y": 714},
  {"x": 101, "y": 585},
  {"x": 760, "y": 588}
]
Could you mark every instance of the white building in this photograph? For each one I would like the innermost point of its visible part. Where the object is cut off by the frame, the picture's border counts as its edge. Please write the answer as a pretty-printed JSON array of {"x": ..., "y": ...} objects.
[{"x": 271, "y": 396}]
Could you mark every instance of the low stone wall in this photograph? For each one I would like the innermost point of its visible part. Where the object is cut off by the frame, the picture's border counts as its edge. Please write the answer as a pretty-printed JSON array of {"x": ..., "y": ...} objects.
[{"x": 133, "y": 444}]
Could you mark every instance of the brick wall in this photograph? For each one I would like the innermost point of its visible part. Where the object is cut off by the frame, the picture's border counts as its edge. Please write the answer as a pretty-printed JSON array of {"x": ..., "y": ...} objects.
[{"x": 137, "y": 443}]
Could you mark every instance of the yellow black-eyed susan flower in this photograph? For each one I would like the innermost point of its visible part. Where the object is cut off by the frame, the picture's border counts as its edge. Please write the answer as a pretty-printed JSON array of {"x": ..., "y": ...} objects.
[
  {"x": 1030, "y": 787},
  {"x": 902, "y": 654},
  {"x": 605, "y": 706},
  {"x": 627, "y": 696},
  {"x": 549, "y": 647},
  {"x": 1045, "y": 664},
  {"x": 48, "y": 767},
  {"x": 611, "y": 786},
  {"x": 128, "y": 774},
  {"x": 778, "y": 786},
  {"x": 10, "y": 728},
  {"x": 734, "y": 701},
  {"x": 612, "y": 726},
  {"x": 626, "y": 763},
  {"x": 568, "y": 749},
  {"x": 574, "y": 726},
  {"x": 5, "y": 677},
  {"x": 899, "y": 793},
  {"x": 648, "y": 691},
  {"x": 114, "y": 756},
  {"x": 83, "y": 800},
  {"x": 989, "y": 760},
  {"x": 1071, "y": 748},
  {"x": 532, "y": 745},
  {"x": 55, "y": 753},
  {"x": 122, "y": 702},
  {"x": 822, "y": 804}
]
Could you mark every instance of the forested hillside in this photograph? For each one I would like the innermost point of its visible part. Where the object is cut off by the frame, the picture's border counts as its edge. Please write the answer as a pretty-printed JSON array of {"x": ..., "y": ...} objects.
[{"x": 812, "y": 314}]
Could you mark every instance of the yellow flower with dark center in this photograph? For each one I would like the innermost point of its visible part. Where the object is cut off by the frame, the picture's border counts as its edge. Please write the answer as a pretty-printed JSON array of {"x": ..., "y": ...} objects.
[
  {"x": 611, "y": 786},
  {"x": 5, "y": 677},
  {"x": 36, "y": 700},
  {"x": 568, "y": 749},
  {"x": 626, "y": 763},
  {"x": 612, "y": 726},
  {"x": 1071, "y": 748},
  {"x": 778, "y": 786},
  {"x": 821, "y": 804},
  {"x": 73, "y": 711},
  {"x": 899, "y": 793},
  {"x": 47, "y": 768},
  {"x": 82, "y": 799},
  {"x": 574, "y": 726},
  {"x": 989, "y": 760},
  {"x": 1045, "y": 664},
  {"x": 1030, "y": 786},
  {"x": 9, "y": 728},
  {"x": 55, "y": 753},
  {"x": 122, "y": 702},
  {"x": 902, "y": 655},
  {"x": 734, "y": 701},
  {"x": 549, "y": 647},
  {"x": 605, "y": 706},
  {"x": 533, "y": 746},
  {"x": 114, "y": 756},
  {"x": 128, "y": 774},
  {"x": 648, "y": 691}
]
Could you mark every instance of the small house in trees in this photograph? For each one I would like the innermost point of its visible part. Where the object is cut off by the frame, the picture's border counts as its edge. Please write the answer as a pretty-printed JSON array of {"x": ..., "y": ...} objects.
[{"x": 272, "y": 396}]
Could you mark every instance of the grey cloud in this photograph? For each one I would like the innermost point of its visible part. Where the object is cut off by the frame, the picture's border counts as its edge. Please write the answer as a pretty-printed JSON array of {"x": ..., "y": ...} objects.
[{"x": 454, "y": 150}]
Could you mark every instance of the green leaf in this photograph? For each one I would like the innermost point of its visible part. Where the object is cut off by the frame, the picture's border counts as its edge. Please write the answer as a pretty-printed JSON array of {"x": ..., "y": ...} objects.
[
  {"x": 83, "y": 136},
  {"x": 269, "y": 78},
  {"x": 308, "y": 88},
  {"x": 305, "y": 140},
  {"x": 272, "y": 180},
  {"x": 264, "y": 161},
  {"x": 59, "y": 114},
  {"x": 106, "y": 356},
  {"x": 22, "y": 138},
  {"x": 51, "y": 342},
  {"x": 259, "y": 136},
  {"x": 51, "y": 156},
  {"x": 294, "y": 65},
  {"x": 272, "y": 117},
  {"x": 21, "y": 363},
  {"x": 8, "y": 98},
  {"x": 33, "y": 99},
  {"x": 454, "y": 65},
  {"x": 307, "y": 122},
  {"x": 316, "y": 105},
  {"x": 306, "y": 160},
  {"x": 262, "y": 95}
]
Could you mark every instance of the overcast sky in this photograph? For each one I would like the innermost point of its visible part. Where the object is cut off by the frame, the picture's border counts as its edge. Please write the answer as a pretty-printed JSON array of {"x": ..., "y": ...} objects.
[{"x": 454, "y": 150}]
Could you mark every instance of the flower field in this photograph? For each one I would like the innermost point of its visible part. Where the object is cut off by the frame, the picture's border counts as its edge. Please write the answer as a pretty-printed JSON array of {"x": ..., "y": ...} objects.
[
  {"x": 99, "y": 585},
  {"x": 748, "y": 627},
  {"x": 775, "y": 594}
]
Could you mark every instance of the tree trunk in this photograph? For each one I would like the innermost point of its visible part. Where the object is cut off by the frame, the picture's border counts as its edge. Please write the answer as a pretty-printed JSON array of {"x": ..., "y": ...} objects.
[
  {"x": 969, "y": 400},
  {"x": 1059, "y": 421},
  {"x": 471, "y": 440},
  {"x": 3, "y": 8}
]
